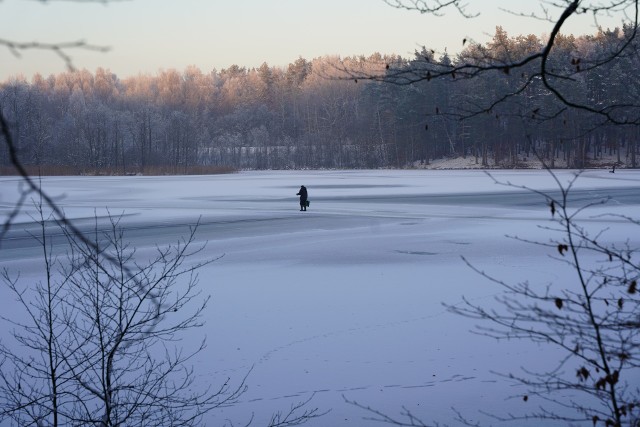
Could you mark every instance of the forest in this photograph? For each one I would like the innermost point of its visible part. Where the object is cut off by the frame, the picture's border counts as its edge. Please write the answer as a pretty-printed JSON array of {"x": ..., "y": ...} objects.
[{"x": 331, "y": 112}]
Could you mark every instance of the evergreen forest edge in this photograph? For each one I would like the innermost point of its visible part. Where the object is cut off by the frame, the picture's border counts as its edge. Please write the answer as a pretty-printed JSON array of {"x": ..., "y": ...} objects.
[{"x": 315, "y": 115}]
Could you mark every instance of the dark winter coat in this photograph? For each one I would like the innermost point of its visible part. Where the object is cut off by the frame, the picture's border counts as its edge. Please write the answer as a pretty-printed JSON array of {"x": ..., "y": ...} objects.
[{"x": 303, "y": 194}]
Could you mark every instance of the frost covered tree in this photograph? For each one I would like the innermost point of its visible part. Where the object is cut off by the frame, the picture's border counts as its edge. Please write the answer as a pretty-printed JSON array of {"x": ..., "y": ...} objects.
[
  {"x": 538, "y": 63},
  {"x": 571, "y": 84}
]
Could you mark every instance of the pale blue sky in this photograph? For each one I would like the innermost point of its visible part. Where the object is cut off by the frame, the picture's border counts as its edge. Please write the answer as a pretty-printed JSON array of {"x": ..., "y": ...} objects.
[{"x": 148, "y": 35}]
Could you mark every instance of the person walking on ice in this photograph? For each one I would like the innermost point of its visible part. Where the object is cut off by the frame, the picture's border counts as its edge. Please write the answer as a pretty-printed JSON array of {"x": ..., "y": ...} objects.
[{"x": 303, "y": 198}]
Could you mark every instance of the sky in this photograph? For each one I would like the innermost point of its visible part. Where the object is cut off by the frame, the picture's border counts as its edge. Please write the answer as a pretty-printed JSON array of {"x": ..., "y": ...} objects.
[{"x": 145, "y": 36}]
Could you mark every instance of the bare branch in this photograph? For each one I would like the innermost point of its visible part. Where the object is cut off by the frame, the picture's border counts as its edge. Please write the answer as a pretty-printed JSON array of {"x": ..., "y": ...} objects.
[
  {"x": 59, "y": 49},
  {"x": 434, "y": 7}
]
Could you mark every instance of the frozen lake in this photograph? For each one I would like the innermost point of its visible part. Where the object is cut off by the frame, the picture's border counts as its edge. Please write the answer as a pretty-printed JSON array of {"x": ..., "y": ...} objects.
[{"x": 344, "y": 301}]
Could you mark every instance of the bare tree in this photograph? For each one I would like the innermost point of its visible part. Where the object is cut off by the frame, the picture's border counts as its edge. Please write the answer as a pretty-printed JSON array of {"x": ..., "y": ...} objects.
[
  {"x": 99, "y": 345},
  {"x": 593, "y": 320},
  {"x": 535, "y": 68},
  {"x": 100, "y": 335},
  {"x": 95, "y": 332}
]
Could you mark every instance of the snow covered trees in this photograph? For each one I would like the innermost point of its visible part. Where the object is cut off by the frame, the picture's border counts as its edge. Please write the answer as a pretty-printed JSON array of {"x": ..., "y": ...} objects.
[
  {"x": 310, "y": 115},
  {"x": 568, "y": 83}
]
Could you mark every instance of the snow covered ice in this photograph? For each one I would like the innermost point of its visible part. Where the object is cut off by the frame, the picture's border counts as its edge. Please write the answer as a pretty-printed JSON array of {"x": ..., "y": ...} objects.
[{"x": 344, "y": 301}]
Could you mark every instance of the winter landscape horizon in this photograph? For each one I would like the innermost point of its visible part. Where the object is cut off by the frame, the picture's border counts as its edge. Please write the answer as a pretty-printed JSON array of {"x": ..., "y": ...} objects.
[
  {"x": 345, "y": 302},
  {"x": 469, "y": 256}
]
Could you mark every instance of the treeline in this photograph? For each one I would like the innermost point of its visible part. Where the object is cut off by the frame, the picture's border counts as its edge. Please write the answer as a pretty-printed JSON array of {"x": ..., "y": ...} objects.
[{"x": 314, "y": 114}]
